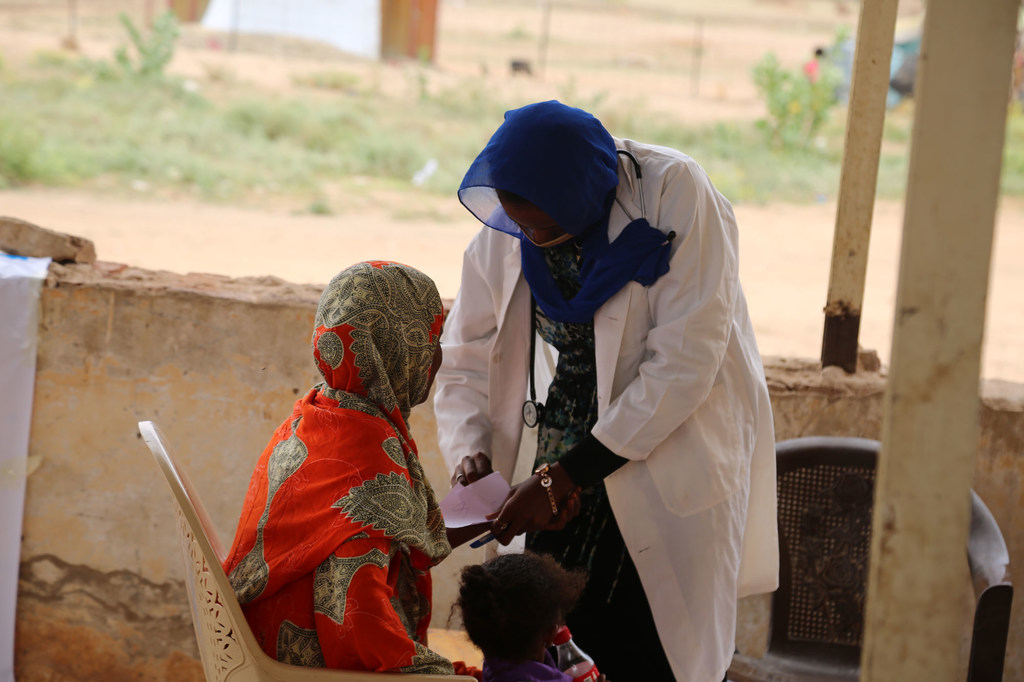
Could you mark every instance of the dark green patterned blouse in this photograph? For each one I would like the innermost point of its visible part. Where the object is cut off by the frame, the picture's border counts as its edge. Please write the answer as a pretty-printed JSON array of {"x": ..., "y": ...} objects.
[{"x": 570, "y": 412}]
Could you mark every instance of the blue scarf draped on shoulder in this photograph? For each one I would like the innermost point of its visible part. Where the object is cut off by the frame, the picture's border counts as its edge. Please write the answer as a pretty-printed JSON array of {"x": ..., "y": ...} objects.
[{"x": 563, "y": 161}]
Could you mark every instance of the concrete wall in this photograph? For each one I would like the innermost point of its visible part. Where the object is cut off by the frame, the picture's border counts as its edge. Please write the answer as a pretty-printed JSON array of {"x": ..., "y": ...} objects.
[{"x": 217, "y": 363}]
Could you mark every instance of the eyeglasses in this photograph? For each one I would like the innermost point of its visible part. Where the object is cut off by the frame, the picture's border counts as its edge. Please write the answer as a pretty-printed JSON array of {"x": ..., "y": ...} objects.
[{"x": 533, "y": 235}]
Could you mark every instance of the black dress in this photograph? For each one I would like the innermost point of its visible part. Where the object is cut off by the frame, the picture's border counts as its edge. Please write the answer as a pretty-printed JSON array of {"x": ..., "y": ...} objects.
[{"x": 613, "y": 621}]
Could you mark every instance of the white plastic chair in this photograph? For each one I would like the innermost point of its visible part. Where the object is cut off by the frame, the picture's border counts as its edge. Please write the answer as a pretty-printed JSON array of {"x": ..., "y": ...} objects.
[{"x": 227, "y": 647}]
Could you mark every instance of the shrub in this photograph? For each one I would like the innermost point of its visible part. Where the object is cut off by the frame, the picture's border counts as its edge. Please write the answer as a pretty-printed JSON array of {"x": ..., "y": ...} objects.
[
  {"x": 797, "y": 105},
  {"x": 17, "y": 151},
  {"x": 26, "y": 156},
  {"x": 339, "y": 81},
  {"x": 152, "y": 54}
]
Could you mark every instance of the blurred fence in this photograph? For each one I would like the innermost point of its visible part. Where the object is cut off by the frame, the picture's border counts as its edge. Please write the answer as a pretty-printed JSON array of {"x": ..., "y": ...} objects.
[
  {"x": 67, "y": 16},
  {"x": 692, "y": 59}
]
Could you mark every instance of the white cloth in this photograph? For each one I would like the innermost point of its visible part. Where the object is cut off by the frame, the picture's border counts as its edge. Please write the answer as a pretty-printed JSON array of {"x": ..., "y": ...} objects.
[
  {"x": 681, "y": 393},
  {"x": 352, "y": 25},
  {"x": 20, "y": 284}
]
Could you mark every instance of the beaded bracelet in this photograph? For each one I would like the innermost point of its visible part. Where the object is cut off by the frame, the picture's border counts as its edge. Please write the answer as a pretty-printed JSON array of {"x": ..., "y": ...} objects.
[{"x": 545, "y": 480}]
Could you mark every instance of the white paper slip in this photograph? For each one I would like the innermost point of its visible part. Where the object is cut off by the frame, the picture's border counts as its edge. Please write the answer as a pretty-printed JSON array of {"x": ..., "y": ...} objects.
[{"x": 469, "y": 504}]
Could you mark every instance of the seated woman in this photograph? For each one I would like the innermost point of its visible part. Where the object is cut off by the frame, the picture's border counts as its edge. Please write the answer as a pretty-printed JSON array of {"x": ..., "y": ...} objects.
[{"x": 340, "y": 527}]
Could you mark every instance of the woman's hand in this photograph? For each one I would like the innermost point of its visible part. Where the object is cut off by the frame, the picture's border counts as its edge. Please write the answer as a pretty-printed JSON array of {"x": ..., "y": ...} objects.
[
  {"x": 528, "y": 507},
  {"x": 459, "y": 536},
  {"x": 471, "y": 468},
  {"x": 567, "y": 511}
]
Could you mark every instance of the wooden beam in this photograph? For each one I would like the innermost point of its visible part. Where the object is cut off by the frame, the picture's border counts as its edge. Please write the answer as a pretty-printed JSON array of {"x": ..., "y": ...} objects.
[
  {"x": 864, "y": 121},
  {"x": 914, "y": 613}
]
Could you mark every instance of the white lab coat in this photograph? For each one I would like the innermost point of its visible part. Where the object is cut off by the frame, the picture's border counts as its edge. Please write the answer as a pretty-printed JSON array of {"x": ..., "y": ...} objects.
[{"x": 681, "y": 393}]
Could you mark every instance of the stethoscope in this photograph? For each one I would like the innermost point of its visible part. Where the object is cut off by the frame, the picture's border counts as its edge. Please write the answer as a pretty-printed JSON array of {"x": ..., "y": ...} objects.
[
  {"x": 639, "y": 181},
  {"x": 533, "y": 411}
]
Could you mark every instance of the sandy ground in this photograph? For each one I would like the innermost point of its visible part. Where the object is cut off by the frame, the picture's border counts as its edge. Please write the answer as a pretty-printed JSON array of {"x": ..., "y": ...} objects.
[
  {"x": 785, "y": 252},
  {"x": 600, "y": 51}
]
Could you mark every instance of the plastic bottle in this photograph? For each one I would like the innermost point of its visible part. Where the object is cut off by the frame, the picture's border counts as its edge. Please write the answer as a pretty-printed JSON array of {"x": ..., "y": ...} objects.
[{"x": 571, "y": 659}]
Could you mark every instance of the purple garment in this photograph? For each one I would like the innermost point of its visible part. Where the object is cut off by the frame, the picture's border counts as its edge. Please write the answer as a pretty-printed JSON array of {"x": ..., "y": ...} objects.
[{"x": 498, "y": 670}]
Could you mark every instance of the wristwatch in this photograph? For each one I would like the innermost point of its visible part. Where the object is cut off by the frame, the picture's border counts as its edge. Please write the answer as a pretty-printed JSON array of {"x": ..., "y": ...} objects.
[{"x": 544, "y": 471}]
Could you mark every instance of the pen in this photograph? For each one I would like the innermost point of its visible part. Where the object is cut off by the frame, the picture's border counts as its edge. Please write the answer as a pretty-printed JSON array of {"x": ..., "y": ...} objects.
[{"x": 482, "y": 540}]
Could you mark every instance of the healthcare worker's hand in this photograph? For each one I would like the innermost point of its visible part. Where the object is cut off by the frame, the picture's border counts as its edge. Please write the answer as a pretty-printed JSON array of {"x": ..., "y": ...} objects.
[
  {"x": 462, "y": 535},
  {"x": 569, "y": 510},
  {"x": 472, "y": 468},
  {"x": 528, "y": 507}
]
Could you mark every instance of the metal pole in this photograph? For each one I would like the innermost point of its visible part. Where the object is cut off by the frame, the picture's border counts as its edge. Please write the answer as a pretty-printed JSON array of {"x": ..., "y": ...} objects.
[
  {"x": 545, "y": 31},
  {"x": 698, "y": 51},
  {"x": 236, "y": 12},
  {"x": 71, "y": 42},
  {"x": 918, "y": 569},
  {"x": 865, "y": 120}
]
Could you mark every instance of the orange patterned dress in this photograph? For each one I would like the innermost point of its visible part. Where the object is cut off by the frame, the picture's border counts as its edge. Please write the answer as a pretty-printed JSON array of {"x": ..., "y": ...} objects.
[{"x": 340, "y": 527}]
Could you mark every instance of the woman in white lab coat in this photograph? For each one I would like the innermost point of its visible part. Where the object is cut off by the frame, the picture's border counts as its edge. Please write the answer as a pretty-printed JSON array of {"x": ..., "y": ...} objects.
[{"x": 625, "y": 258}]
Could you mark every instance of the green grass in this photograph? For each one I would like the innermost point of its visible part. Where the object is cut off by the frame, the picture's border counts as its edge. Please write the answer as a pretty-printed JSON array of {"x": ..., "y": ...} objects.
[
  {"x": 86, "y": 127},
  {"x": 1013, "y": 155},
  {"x": 338, "y": 81},
  {"x": 740, "y": 163},
  {"x": 69, "y": 122},
  {"x": 518, "y": 33}
]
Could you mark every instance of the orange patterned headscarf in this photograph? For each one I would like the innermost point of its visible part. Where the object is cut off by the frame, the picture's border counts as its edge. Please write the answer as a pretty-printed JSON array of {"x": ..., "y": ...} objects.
[{"x": 376, "y": 330}]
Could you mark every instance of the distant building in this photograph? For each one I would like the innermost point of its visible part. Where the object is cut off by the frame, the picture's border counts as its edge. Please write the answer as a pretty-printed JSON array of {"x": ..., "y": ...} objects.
[
  {"x": 188, "y": 11},
  {"x": 375, "y": 29}
]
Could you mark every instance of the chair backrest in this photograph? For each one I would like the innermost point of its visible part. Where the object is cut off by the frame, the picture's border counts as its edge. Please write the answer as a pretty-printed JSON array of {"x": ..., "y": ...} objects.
[
  {"x": 216, "y": 614},
  {"x": 989, "y": 635},
  {"x": 989, "y": 559},
  {"x": 227, "y": 647},
  {"x": 826, "y": 491},
  {"x": 987, "y": 554},
  {"x": 826, "y": 495}
]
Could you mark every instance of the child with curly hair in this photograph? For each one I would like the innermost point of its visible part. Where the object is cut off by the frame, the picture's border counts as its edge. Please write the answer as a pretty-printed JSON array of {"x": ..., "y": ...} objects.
[{"x": 512, "y": 607}]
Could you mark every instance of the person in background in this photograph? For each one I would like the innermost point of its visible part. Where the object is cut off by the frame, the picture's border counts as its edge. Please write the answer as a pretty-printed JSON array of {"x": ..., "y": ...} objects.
[
  {"x": 339, "y": 528},
  {"x": 625, "y": 258},
  {"x": 512, "y": 606},
  {"x": 812, "y": 67}
]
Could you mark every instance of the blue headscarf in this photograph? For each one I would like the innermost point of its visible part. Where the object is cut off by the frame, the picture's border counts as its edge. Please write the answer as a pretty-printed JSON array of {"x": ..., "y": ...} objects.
[{"x": 563, "y": 161}]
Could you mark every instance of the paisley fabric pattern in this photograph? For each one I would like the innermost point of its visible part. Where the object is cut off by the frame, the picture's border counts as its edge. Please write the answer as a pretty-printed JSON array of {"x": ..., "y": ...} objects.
[
  {"x": 375, "y": 335},
  {"x": 299, "y": 646},
  {"x": 340, "y": 527},
  {"x": 332, "y": 578}
]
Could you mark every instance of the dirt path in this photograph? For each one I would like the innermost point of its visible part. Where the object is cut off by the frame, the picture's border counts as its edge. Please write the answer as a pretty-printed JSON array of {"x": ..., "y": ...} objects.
[
  {"x": 785, "y": 252},
  {"x": 631, "y": 57}
]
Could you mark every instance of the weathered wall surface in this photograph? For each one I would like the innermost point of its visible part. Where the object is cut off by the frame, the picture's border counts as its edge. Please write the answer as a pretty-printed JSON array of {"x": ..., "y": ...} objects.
[{"x": 216, "y": 363}]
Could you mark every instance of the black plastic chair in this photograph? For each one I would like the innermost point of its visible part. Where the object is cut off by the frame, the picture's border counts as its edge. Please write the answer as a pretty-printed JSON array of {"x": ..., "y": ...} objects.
[{"x": 826, "y": 490}]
